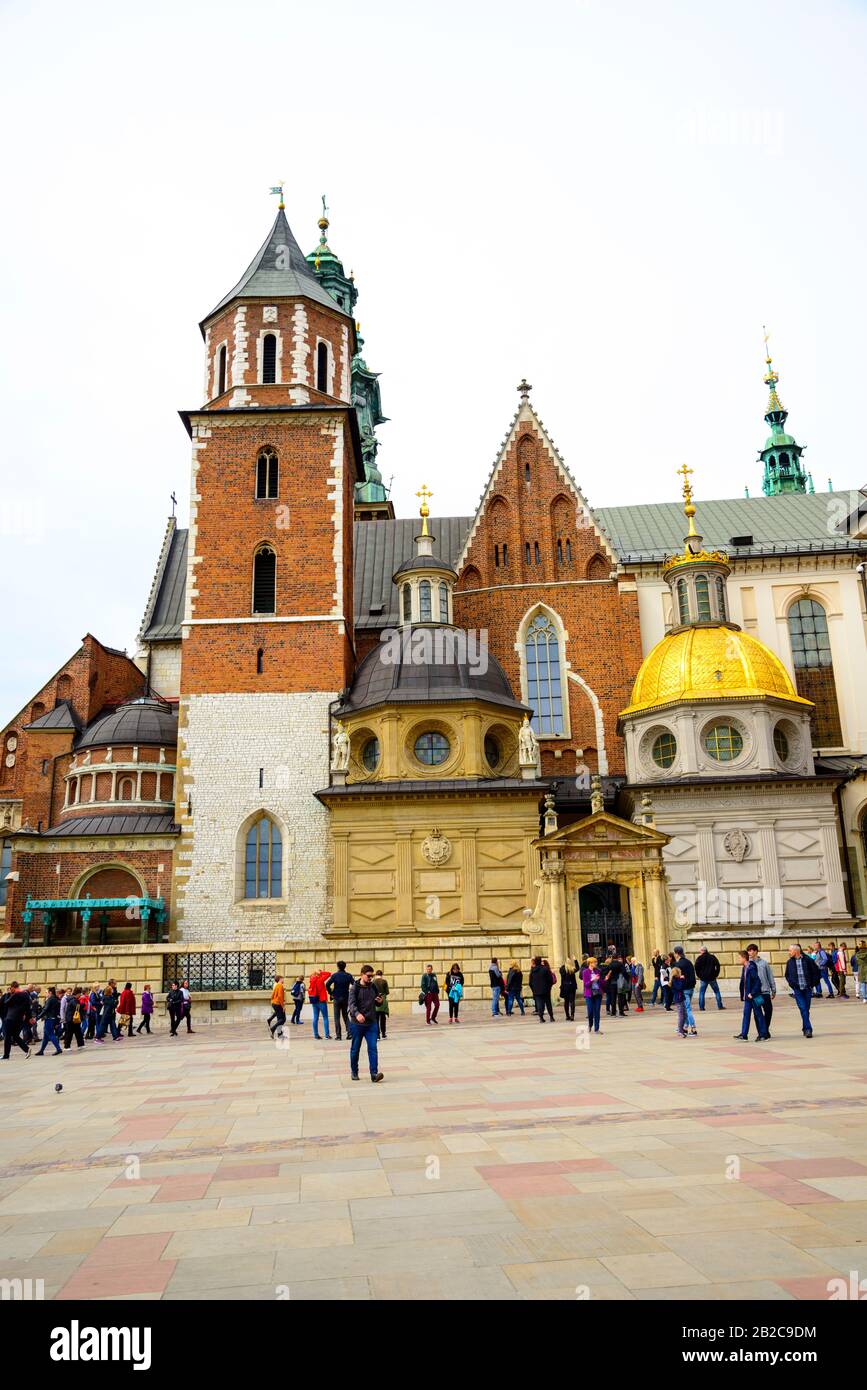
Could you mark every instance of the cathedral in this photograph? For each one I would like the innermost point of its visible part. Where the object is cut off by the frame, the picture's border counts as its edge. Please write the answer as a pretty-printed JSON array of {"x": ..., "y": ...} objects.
[{"x": 536, "y": 729}]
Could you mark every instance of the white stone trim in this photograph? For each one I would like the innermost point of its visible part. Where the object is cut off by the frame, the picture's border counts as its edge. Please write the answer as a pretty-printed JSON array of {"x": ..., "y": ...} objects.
[
  {"x": 265, "y": 618},
  {"x": 601, "y": 751},
  {"x": 300, "y": 346}
]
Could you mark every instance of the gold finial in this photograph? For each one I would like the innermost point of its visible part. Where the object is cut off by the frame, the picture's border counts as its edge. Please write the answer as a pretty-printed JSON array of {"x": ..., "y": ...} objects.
[
  {"x": 424, "y": 510},
  {"x": 770, "y": 377},
  {"x": 688, "y": 504},
  {"x": 323, "y": 221}
]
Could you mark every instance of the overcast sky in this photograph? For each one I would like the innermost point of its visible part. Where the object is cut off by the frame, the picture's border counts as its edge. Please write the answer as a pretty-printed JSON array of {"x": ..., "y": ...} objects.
[{"x": 610, "y": 198}]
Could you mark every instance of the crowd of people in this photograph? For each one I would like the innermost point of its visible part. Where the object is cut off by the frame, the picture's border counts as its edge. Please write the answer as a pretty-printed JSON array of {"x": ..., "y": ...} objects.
[
  {"x": 81, "y": 1015},
  {"x": 360, "y": 1009}
]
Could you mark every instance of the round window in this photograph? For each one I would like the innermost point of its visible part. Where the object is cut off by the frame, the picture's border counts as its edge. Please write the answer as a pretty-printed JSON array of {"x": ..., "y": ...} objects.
[
  {"x": 492, "y": 750},
  {"x": 781, "y": 744},
  {"x": 370, "y": 755},
  {"x": 664, "y": 750},
  {"x": 723, "y": 742},
  {"x": 431, "y": 749}
]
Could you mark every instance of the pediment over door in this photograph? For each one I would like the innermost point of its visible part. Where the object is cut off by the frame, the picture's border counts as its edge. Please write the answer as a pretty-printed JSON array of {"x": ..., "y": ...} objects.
[{"x": 603, "y": 831}]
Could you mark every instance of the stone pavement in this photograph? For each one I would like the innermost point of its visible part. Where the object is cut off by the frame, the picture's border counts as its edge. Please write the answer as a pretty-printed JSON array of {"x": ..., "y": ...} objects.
[{"x": 498, "y": 1159}]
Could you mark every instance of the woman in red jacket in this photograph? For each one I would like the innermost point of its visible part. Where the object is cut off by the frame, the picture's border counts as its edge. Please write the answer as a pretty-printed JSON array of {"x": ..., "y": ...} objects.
[{"x": 126, "y": 1006}]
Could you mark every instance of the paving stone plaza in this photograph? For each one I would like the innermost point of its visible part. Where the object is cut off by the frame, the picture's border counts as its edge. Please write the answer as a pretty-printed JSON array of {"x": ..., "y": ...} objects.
[{"x": 497, "y": 1160}]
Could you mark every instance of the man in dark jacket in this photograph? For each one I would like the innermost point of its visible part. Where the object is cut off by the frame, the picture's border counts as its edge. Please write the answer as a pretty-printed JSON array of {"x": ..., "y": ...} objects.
[
  {"x": 337, "y": 986},
  {"x": 750, "y": 990},
  {"x": 687, "y": 970},
  {"x": 802, "y": 976},
  {"x": 361, "y": 1005},
  {"x": 17, "y": 1013},
  {"x": 707, "y": 970}
]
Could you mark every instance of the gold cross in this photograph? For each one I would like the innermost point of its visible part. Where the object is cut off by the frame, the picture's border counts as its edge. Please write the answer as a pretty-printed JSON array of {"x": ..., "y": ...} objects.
[
  {"x": 424, "y": 493},
  {"x": 686, "y": 472}
]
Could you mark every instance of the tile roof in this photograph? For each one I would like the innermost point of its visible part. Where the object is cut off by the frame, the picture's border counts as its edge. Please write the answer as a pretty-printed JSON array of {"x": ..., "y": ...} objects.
[{"x": 113, "y": 825}]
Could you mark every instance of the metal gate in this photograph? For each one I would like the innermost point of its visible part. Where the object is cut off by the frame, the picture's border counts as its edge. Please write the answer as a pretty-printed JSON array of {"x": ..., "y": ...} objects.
[{"x": 599, "y": 930}]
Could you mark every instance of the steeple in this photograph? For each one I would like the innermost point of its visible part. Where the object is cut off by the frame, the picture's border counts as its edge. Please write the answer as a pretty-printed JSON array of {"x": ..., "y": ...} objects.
[
  {"x": 370, "y": 494},
  {"x": 781, "y": 456}
]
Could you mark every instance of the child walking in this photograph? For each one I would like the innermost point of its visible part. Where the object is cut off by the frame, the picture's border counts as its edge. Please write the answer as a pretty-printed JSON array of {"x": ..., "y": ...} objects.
[{"x": 677, "y": 987}]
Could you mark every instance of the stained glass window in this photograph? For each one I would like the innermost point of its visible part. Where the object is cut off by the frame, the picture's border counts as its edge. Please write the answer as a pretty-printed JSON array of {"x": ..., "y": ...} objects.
[
  {"x": 444, "y": 603},
  {"x": 544, "y": 680},
  {"x": 424, "y": 608},
  {"x": 682, "y": 601},
  {"x": 702, "y": 596},
  {"x": 721, "y": 599},
  {"x": 431, "y": 749},
  {"x": 723, "y": 742}
]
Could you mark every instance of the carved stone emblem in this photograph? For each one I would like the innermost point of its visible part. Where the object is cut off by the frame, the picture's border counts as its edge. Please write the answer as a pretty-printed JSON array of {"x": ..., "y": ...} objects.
[
  {"x": 436, "y": 848},
  {"x": 737, "y": 844}
]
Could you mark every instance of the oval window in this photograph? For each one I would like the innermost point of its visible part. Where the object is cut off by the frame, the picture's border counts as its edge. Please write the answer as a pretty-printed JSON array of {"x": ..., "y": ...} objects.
[
  {"x": 370, "y": 755},
  {"x": 492, "y": 750},
  {"x": 781, "y": 744},
  {"x": 431, "y": 749},
  {"x": 723, "y": 743},
  {"x": 664, "y": 749}
]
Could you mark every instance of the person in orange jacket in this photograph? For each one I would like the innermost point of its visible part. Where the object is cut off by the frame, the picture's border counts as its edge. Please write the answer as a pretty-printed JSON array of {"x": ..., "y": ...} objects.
[
  {"x": 278, "y": 1005},
  {"x": 318, "y": 996}
]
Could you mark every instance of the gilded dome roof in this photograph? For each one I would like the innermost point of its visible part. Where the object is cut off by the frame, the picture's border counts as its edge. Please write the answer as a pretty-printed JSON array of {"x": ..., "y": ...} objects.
[{"x": 709, "y": 663}]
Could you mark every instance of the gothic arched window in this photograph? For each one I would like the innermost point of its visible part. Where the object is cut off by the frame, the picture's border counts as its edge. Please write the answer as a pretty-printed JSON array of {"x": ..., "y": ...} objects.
[
  {"x": 263, "y": 860},
  {"x": 544, "y": 676},
  {"x": 424, "y": 601},
  {"x": 221, "y": 370},
  {"x": 267, "y": 474},
  {"x": 814, "y": 669},
  {"x": 269, "y": 358},
  {"x": 322, "y": 367},
  {"x": 264, "y": 580},
  {"x": 682, "y": 601}
]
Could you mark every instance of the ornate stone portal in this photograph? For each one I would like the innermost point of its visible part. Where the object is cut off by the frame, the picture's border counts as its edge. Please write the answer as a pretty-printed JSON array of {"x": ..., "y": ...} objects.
[{"x": 603, "y": 849}]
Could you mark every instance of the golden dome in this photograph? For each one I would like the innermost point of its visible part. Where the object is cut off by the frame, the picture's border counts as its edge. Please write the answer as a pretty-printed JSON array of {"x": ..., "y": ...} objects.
[{"x": 709, "y": 663}]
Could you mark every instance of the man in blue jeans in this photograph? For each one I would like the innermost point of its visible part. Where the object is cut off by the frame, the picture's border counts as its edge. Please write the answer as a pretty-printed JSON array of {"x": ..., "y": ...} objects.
[
  {"x": 362, "y": 1023},
  {"x": 751, "y": 993},
  {"x": 498, "y": 986},
  {"x": 802, "y": 977},
  {"x": 687, "y": 970},
  {"x": 707, "y": 969}
]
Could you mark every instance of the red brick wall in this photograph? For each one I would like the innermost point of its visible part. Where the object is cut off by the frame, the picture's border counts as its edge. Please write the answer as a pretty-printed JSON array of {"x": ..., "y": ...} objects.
[
  {"x": 39, "y": 879},
  {"x": 604, "y": 642},
  {"x": 231, "y": 523},
  {"x": 320, "y": 324}
]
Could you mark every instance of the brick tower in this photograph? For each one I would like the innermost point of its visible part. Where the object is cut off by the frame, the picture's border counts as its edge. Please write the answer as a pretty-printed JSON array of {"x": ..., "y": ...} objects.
[{"x": 267, "y": 640}]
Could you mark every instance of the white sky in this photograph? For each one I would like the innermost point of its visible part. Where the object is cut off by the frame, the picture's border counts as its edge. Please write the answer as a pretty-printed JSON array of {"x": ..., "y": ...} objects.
[{"x": 610, "y": 198}]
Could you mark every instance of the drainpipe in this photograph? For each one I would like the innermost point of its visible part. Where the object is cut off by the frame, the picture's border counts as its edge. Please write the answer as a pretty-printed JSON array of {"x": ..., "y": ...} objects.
[{"x": 847, "y": 881}]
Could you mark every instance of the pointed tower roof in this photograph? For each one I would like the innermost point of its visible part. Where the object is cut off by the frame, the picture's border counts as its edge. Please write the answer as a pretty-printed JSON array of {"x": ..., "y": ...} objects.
[
  {"x": 278, "y": 269},
  {"x": 781, "y": 455}
]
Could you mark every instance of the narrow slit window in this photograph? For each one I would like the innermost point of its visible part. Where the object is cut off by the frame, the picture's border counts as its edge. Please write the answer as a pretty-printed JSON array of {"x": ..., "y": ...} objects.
[
  {"x": 527, "y": 551},
  {"x": 444, "y": 603},
  {"x": 505, "y": 554},
  {"x": 496, "y": 557},
  {"x": 221, "y": 371},
  {"x": 269, "y": 358},
  {"x": 407, "y": 603},
  {"x": 559, "y": 552},
  {"x": 536, "y": 552},
  {"x": 568, "y": 552},
  {"x": 267, "y": 474},
  {"x": 260, "y": 661},
  {"x": 322, "y": 367},
  {"x": 682, "y": 601}
]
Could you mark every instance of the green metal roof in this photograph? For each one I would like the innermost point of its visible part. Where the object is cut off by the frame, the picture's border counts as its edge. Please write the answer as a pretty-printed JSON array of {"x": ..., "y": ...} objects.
[{"x": 791, "y": 522}]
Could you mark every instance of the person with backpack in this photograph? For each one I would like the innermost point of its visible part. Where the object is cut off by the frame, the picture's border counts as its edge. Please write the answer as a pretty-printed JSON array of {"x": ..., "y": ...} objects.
[
  {"x": 16, "y": 1009},
  {"x": 318, "y": 995},
  {"x": 278, "y": 1011},
  {"x": 515, "y": 989},
  {"x": 381, "y": 985},
  {"x": 539, "y": 986},
  {"x": 820, "y": 957},
  {"x": 568, "y": 989},
  {"x": 498, "y": 986},
  {"x": 665, "y": 982},
  {"x": 707, "y": 968},
  {"x": 591, "y": 978},
  {"x": 107, "y": 1020},
  {"x": 455, "y": 992},
  {"x": 637, "y": 983},
  {"x": 362, "y": 1023},
  {"x": 298, "y": 992},
  {"x": 624, "y": 986},
  {"x": 174, "y": 1008},
  {"x": 50, "y": 1013},
  {"x": 94, "y": 1008},
  {"x": 73, "y": 1020},
  {"x": 147, "y": 1008},
  {"x": 429, "y": 994},
  {"x": 338, "y": 992},
  {"x": 126, "y": 1008}
]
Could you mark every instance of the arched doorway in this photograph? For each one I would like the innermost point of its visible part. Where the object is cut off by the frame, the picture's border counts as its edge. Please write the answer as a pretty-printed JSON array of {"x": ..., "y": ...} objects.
[
  {"x": 115, "y": 924},
  {"x": 605, "y": 918}
]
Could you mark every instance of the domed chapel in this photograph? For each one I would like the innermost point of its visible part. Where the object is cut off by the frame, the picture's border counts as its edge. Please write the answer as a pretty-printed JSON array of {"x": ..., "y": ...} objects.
[{"x": 533, "y": 729}]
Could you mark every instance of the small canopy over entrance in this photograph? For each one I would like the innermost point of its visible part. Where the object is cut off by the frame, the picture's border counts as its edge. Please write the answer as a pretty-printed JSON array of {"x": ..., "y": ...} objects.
[{"x": 134, "y": 913}]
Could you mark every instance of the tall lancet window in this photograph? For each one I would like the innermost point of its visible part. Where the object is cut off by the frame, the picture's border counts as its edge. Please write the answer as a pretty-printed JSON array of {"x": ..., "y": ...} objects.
[
  {"x": 424, "y": 601},
  {"x": 444, "y": 603},
  {"x": 322, "y": 367},
  {"x": 263, "y": 877},
  {"x": 544, "y": 677},
  {"x": 682, "y": 601},
  {"x": 702, "y": 595},
  {"x": 269, "y": 358},
  {"x": 721, "y": 599},
  {"x": 221, "y": 371}
]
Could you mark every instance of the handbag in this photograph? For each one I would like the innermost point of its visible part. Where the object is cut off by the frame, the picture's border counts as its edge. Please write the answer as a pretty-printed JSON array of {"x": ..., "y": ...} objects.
[{"x": 421, "y": 997}]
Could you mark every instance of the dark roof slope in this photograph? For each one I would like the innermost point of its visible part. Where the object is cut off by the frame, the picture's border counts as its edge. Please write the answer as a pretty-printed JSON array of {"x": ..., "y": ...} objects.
[
  {"x": 445, "y": 677},
  {"x": 278, "y": 268},
  {"x": 138, "y": 721},
  {"x": 381, "y": 547},
  {"x": 63, "y": 716},
  {"x": 115, "y": 825},
  {"x": 166, "y": 608}
]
